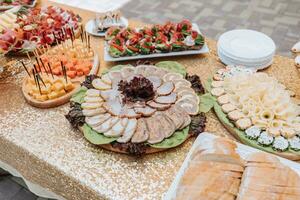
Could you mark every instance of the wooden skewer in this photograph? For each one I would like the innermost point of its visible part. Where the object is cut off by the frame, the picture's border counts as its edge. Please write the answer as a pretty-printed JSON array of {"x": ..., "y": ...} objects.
[
  {"x": 89, "y": 41},
  {"x": 25, "y": 68},
  {"x": 38, "y": 83}
]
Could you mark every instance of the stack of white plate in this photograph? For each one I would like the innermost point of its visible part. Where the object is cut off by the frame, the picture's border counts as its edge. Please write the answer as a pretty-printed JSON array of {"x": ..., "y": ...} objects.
[{"x": 246, "y": 47}]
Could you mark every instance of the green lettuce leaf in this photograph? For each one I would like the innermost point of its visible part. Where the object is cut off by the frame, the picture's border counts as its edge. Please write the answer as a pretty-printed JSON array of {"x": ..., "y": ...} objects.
[
  {"x": 242, "y": 136},
  {"x": 207, "y": 85},
  {"x": 96, "y": 138},
  {"x": 172, "y": 66},
  {"x": 114, "y": 68},
  {"x": 175, "y": 140},
  {"x": 207, "y": 102},
  {"x": 79, "y": 95}
]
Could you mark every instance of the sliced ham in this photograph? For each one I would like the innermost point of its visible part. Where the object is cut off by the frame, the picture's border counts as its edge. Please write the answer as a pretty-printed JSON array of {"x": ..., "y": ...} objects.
[
  {"x": 156, "y": 133},
  {"x": 188, "y": 105},
  {"x": 105, "y": 126},
  {"x": 110, "y": 94},
  {"x": 158, "y": 106},
  {"x": 160, "y": 72},
  {"x": 182, "y": 83},
  {"x": 114, "y": 107},
  {"x": 141, "y": 70},
  {"x": 100, "y": 85},
  {"x": 150, "y": 70},
  {"x": 174, "y": 113},
  {"x": 117, "y": 129},
  {"x": 191, "y": 97},
  {"x": 185, "y": 92},
  {"x": 115, "y": 77},
  {"x": 172, "y": 77},
  {"x": 169, "y": 99},
  {"x": 156, "y": 81},
  {"x": 91, "y": 99},
  {"x": 92, "y": 93},
  {"x": 129, "y": 113},
  {"x": 145, "y": 111},
  {"x": 93, "y": 112},
  {"x": 165, "y": 89},
  {"x": 106, "y": 79},
  {"x": 97, "y": 120},
  {"x": 181, "y": 89},
  {"x": 129, "y": 131},
  {"x": 141, "y": 133},
  {"x": 127, "y": 71},
  {"x": 91, "y": 106},
  {"x": 166, "y": 124}
]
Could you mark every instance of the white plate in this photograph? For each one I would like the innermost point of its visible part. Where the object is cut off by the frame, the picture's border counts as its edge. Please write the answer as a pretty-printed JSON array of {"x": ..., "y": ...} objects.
[
  {"x": 258, "y": 66},
  {"x": 203, "y": 50},
  {"x": 12, "y": 6},
  {"x": 247, "y": 44},
  {"x": 90, "y": 27},
  {"x": 242, "y": 150}
]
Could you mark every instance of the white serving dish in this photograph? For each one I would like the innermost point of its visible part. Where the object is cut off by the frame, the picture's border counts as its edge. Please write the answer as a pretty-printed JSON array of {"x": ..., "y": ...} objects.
[
  {"x": 242, "y": 150},
  {"x": 203, "y": 50},
  {"x": 90, "y": 27},
  {"x": 12, "y": 6}
]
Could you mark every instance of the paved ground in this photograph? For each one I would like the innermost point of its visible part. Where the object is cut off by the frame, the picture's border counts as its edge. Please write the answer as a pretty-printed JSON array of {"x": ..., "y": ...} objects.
[{"x": 280, "y": 19}]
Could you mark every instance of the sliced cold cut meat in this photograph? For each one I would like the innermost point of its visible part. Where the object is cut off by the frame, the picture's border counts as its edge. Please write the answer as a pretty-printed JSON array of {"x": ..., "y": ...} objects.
[
  {"x": 129, "y": 131},
  {"x": 182, "y": 83},
  {"x": 165, "y": 89},
  {"x": 117, "y": 129},
  {"x": 97, "y": 120},
  {"x": 92, "y": 93},
  {"x": 93, "y": 112},
  {"x": 90, "y": 106},
  {"x": 156, "y": 81},
  {"x": 158, "y": 106},
  {"x": 105, "y": 126},
  {"x": 171, "y": 98},
  {"x": 145, "y": 111},
  {"x": 188, "y": 105},
  {"x": 172, "y": 77},
  {"x": 141, "y": 133},
  {"x": 106, "y": 79},
  {"x": 165, "y": 123},
  {"x": 92, "y": 99},
  {"x": 156, "y": 133},
  {"x": 127, "y": 71},
  {"x": 174, "y": 113},
  {"x": 100, "y": 85}
]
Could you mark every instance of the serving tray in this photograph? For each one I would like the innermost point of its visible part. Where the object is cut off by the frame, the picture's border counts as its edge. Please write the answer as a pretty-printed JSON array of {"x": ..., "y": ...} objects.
[
  {"x": 203, "y": 50},
  {"x": 242, "y": 150},
  {"x": 33, "y": 4}
]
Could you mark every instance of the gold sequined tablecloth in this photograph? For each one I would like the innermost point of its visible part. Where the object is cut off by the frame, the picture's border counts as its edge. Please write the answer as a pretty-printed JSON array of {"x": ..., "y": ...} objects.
[{"x": 41, "y": 145}]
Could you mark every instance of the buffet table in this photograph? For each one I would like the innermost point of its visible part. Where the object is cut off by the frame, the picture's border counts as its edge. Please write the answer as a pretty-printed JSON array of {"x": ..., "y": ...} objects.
[{"x": 58, "y": 162}]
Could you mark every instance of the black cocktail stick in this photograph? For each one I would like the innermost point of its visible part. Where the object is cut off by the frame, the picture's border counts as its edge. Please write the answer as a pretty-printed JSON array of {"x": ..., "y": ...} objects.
[
  {"x": 38, "y": 63},
  {"x": 64, "y": 70},
  {"x": 26, "y": 69},
  {"x": 50, "y": 69},
  {"x": 44, "y": 66}
]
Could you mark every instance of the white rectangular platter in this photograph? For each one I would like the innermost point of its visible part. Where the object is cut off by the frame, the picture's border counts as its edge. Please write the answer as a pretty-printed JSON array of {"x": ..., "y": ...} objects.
[
  {"x": 203, "y": 50},
  {"x": 242, "y": 150},
  {"x": 13, "y": 6}
]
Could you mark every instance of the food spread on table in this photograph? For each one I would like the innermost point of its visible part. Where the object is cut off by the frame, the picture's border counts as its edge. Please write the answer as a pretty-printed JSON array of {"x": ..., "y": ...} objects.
[
  {"x": 218, "y": 168},
  {"x": 76, "y": 55},
  {"x": 49, "y": 88},
  {"x": 36, "y": 27},
  {"x": 258, "y": 110},
  {"x": 108, "y": 20},
  {"x": 8, "y": 3},
  {"x": 140, "y": 109},
  {"x": 168, "y": 37}
]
